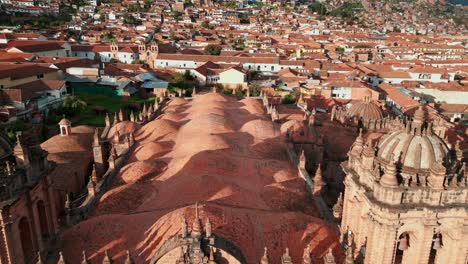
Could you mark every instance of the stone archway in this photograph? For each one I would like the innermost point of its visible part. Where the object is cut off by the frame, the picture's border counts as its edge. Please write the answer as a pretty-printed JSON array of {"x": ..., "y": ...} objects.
[
  {"x": 26, "y": 239},
  {"x": 42, "y": 215},
  {"x": 226, "y": 250}
]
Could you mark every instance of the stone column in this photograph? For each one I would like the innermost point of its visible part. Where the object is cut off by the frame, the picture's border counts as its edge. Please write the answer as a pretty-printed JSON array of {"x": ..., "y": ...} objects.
[
  {"x": 37, "y": 229},
  {"x": 389, "y": 243},
  {"x": 52, "y": 208},
  {"x": 424, "y": 247},
  {"x": 6, "y": 245},
  {"x": 32, "y": 222},
  {"x": 372, "y": 248}
]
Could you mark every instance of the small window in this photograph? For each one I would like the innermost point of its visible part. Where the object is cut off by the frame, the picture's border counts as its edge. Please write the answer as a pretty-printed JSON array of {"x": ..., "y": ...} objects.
[
  {"x": 76, "y": 54},
  {"x": 40, "y": 76}
]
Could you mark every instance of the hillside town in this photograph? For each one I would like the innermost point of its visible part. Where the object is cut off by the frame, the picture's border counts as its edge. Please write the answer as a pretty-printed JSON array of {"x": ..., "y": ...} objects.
[{"x": 211, "y": 131}]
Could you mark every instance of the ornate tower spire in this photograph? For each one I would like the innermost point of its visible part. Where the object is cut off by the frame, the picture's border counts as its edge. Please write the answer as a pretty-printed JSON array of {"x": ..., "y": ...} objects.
[
  {"x": 39, "y": 258},
  {"x": 286, "y": 258},
  {"x": 156, "y": 105},
  {"x": 419, "y": 117},
  {"x": 306, "y": 259},
  {"x": 338, "y": 207},
  {"x": 211, "y": 259},
  {"x": 349, "y": 259},
  {"x": 389, "y": 179},
  {"x": 329, "y": 258},
  {"x": 128, "y": 259},
  {"x": 85, "y": 259},
  {"x": 196, "y": 226},
  {"x": 359, "y": 143},
  {"x": 208, "y": 228},
  {"x": 61, "y": 259},
  {"x": 121, "y": 116},
  {"x": 264, "y": 259},
  {"x": 116, "y": 119},
  {"x": 437, "y": 175},
  {"x": 302, "y": 160},
  {"x": 107, "y": 120},
  {"x": 107, "y": 259},
  {"x": 184, "y": 230},
  {"x": 318, "y": 181}
]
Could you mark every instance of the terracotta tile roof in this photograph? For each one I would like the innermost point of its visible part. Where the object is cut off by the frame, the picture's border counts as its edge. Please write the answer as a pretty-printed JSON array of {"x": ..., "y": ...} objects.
[
  {"x": 24, "y": 92},
  {"x": 33, "y": 46},
  {"x": 19, "y": 71},
  {"x": 398, "y": 97},
  {"x": 221, "y": 59}
]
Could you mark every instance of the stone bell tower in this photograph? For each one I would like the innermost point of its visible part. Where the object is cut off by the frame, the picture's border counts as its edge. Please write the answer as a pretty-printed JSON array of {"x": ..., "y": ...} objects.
[
  {"x": 405, "y": 198},
  {"x": 152, "y": 55}
]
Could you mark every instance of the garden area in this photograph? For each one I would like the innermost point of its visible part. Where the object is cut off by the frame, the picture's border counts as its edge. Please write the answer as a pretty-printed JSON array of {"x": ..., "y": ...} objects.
[{"x": 91, "y": 109}]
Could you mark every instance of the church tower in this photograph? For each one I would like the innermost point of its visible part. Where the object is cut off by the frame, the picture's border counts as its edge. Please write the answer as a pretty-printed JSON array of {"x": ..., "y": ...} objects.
[{"x": 405, "y": 198}]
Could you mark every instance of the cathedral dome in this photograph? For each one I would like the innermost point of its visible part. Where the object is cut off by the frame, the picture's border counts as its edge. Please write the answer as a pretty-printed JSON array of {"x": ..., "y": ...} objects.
[
  {"x": 365, "y": 110},
  {"x": 415, "y": 147},
  {"x": 412, "y": 151}
]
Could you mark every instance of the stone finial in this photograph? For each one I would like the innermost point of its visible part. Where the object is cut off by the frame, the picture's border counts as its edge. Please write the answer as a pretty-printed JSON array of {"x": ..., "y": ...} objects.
[
  {"x": 286, "y": 258},
  {"x": 121, "y": 115},
  {"x": 67, "y": 201},
  {"x": 61, "y": 259},
  {"x": 437, "y": 174},
  {"x": 8, "y": 168},
  {"x": 150, "y": 109},
  {"x": 107, "y": 120},
  {"x": 96, "y": 141},
  {"x": 132, "y": 116},
  {"x": 128, "y": 259},
  {"x": 94, "y": 176},
  {"x": 194, "y": 91},
  {"x": 389, "y": 178},
  {"x": 85, "y": 259},
  {"x": 91, "y": 187},
  {"x": 302, "y": 160},
  {"x": 211, "y": 258},
  {"x": 349, "y": 259},
  {"x": 144, "y": 111},
  {"x": 329, "y": 258},
  {"x": 358, "y": 143},
  {"x": 39, "y": 258},
  {"x": 208, "y": 228},
  {"x": 156, "y": 104},
  {"x": 196, "y": 226},
  {"x": 338, "y": 207},
  {"x": 458, "y": 151},
  {"x": 318, "y": 181},
  {"x": 264, "y": 259},
  {"x": 116, "y": 138},
  {"x": 247, "y": 92},
  {"x": 107, "y": 259},
  {"x": 116, "y": 119},
  {"x": 306, "y": 259},
  {"x": 184, "y": 228}
]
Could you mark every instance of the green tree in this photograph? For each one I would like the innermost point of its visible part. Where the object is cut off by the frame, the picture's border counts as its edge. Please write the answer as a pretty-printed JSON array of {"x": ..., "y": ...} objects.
[
  {"x": 177, "y": 15},
  {"x": 74, "y": 104},
  {"x": 213, "y": 49},
  {"x": 205, "y": 24}
]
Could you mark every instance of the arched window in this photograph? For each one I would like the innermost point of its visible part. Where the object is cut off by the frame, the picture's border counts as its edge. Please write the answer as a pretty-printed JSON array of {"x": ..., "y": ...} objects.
[{"x": 402, "y": 244}]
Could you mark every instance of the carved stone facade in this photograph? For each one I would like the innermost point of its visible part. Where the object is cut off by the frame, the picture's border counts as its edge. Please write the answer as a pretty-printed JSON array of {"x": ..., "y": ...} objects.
[{"x": 405, "y": 199}]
